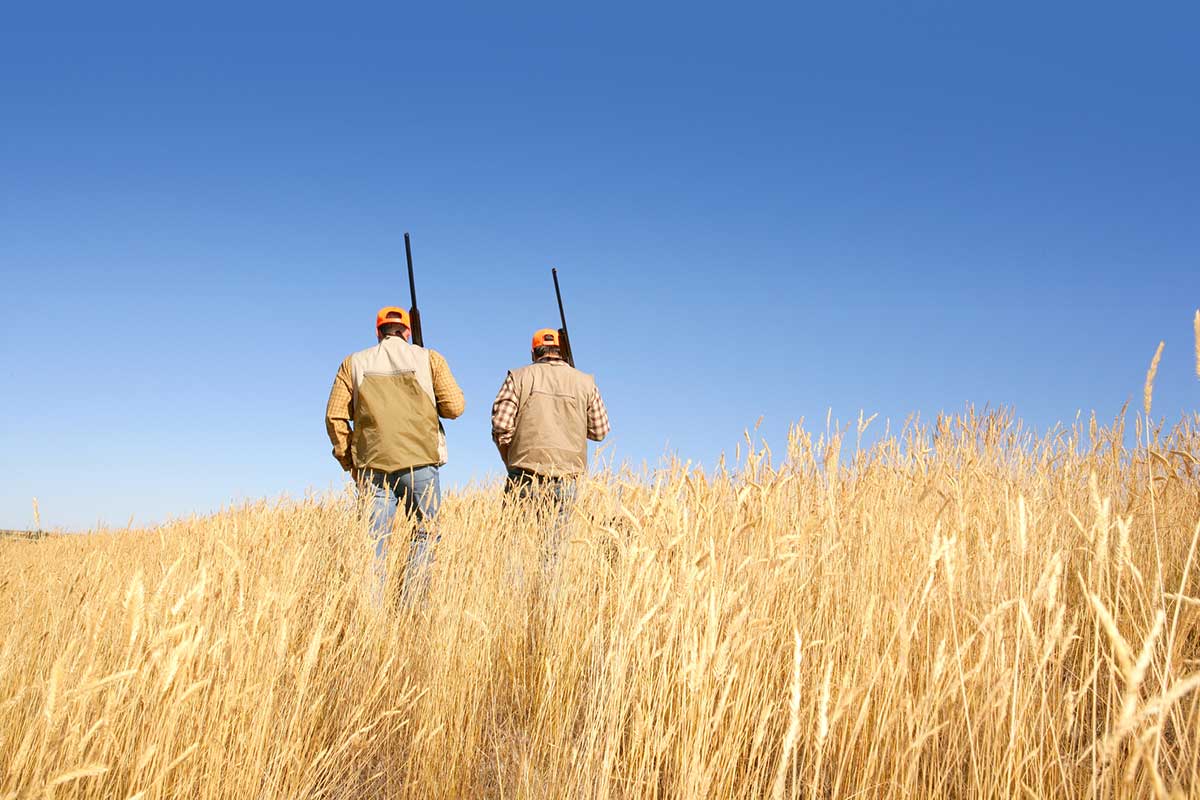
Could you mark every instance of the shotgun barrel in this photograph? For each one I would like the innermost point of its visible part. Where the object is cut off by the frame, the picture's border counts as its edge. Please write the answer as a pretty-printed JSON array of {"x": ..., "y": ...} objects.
[
  {"x": 562, "y": 332},
  {"x": 413, "y": 313}
]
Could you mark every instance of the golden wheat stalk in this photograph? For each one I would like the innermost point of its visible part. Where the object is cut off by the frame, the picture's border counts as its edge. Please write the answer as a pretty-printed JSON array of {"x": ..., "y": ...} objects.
[
  {"x": 1196, "y": 327},
  {"x": 793, "y": 731},
  {"x": 1148, "y": 389}
]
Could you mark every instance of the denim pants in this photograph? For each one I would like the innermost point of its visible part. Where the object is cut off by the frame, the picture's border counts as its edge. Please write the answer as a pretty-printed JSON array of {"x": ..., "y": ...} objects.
[
  {"x": 419, "y": 492},
  {"x": 557, "y": 495}
]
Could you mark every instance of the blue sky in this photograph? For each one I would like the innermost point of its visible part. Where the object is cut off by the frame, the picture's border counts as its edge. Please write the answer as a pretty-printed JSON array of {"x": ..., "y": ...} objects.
[{"x": 755, "y": 211}]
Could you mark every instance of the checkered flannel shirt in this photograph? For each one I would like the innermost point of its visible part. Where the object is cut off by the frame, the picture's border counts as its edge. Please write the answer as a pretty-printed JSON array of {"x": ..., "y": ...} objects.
[
  {"x": 504, "y": 411},
  {"x": 339, "y": 412}
]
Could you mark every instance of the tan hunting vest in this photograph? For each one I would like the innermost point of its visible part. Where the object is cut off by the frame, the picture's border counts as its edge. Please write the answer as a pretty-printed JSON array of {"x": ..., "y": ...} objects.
[
  {"x": 551, "y": 434},
  {"x": 395, "y": 415}
]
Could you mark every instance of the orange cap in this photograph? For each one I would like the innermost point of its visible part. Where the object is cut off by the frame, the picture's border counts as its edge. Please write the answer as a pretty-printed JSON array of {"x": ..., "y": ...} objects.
[
  {"x": 391, "y": 314},
  {"x": 546, "y": 337}
]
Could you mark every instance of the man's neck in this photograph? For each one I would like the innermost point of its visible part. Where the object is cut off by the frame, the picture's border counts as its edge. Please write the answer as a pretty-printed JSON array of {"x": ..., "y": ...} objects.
[{"x": 550, "y": 360}]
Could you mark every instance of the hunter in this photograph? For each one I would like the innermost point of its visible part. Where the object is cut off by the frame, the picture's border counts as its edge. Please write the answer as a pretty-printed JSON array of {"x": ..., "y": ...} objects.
[
  {"x": 382, "y": 419},
  {"x": 542, "y": 419}
]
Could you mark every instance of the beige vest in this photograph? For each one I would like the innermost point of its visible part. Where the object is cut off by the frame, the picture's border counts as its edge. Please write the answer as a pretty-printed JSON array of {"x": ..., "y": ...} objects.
[
  {"x": 396, "y": 424},
  {"x": 551, "y": 434}
]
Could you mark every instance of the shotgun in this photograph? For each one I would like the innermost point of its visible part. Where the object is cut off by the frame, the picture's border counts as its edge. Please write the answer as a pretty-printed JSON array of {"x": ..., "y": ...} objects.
[
  {"x": 413, "y": 314},
  {"x": 562, "y": 332}
]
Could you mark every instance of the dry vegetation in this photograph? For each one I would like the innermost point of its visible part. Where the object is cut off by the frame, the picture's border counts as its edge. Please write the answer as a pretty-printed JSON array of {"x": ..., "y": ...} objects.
[{"x": 964, "y": 610}]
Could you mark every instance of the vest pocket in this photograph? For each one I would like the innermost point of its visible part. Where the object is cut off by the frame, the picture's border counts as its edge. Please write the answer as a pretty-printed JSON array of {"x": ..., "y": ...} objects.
[{"x": 395, "y": 423}]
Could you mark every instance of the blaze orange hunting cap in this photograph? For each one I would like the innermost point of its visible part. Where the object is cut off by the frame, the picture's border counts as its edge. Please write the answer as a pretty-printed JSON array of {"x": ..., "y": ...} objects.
[
  {"x": 391, "y": 314},
  {"x": 546, "y": 337}
]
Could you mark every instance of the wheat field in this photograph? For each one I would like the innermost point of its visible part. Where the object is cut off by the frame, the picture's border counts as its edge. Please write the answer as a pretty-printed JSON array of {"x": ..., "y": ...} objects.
[{"x": 958, "y": 610}]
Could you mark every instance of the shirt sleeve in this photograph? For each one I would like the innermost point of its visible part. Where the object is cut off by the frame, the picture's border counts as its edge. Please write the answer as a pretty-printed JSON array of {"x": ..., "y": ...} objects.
[
  {"x": 339, "y": 412},
  {"x": 504, "y": 413},
  {"x": 446, "y": 392},
  {"x": 597, "y": 417}
]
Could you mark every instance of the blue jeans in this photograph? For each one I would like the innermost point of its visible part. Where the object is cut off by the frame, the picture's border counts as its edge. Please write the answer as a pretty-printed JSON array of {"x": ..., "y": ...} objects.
[
  {"x": 419, "y": 491},
  {"x": 551, "y": 496}
]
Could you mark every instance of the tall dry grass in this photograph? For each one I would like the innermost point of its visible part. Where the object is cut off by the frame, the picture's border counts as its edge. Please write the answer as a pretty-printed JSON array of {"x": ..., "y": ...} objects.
[{"x": 959, "y": 610}]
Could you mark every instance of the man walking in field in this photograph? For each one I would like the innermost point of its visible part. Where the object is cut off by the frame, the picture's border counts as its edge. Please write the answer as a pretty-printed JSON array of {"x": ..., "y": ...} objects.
[
  {"x": 542, "y": 419},
  {"x": 382, "y": 419}
]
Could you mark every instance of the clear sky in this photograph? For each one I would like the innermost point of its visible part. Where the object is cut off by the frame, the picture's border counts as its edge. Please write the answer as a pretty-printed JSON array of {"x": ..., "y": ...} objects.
[{"x": 755, "y": 211}]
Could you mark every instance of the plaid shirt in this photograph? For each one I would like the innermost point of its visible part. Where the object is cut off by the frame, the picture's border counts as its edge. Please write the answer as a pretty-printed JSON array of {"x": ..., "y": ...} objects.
[
  {"x": 339, "y": 412},
  {"x": 504, "y": 412}
]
